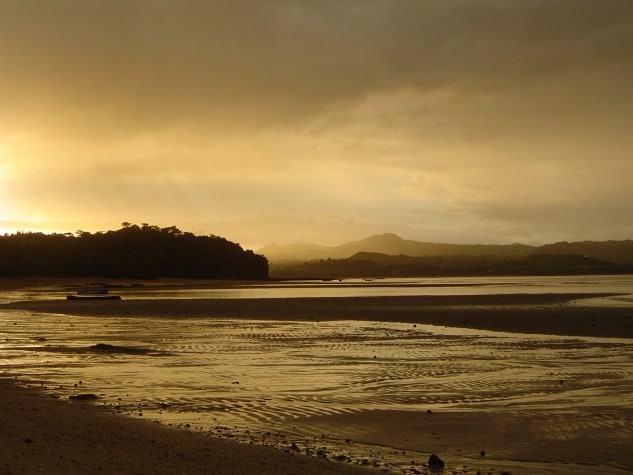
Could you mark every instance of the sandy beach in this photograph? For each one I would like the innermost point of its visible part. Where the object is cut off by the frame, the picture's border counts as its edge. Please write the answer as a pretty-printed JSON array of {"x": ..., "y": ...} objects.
[
  {"x": 43, "y": 434},
  {"x": 525, "y": 313}
]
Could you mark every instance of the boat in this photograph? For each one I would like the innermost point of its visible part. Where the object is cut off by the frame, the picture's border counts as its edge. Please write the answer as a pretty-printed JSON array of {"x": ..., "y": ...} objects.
[
  {"x": 93, "y": 291},
  {"x": 93, "y": 297}
]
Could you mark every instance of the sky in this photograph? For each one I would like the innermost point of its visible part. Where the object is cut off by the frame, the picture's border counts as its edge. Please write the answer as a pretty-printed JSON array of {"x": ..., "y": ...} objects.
[{"x": 488, "y": 121}]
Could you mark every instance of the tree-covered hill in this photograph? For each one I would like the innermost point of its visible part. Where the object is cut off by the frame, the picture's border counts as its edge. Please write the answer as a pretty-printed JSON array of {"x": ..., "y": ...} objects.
[
  {"x": 133, "y": 251},
  {"x": 367, "y": 264}
]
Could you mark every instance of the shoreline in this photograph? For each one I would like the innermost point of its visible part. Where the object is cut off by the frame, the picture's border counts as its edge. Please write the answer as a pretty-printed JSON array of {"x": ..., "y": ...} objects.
[
  {"x": 43, "y": 435},
  {"x": 550, "y": 314}
]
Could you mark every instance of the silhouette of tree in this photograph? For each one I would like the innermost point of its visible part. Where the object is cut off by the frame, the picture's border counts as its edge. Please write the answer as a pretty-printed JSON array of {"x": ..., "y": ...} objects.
[{"x": 132, "y": 251}]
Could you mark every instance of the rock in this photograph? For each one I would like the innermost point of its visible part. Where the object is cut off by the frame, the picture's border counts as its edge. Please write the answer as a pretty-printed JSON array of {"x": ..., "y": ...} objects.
[
  {"x": 83, "y": 397},
  {"x": 124, "y": 350},
  {"x": 103, "y": 347},
  {"x": 435, "y": 462}
]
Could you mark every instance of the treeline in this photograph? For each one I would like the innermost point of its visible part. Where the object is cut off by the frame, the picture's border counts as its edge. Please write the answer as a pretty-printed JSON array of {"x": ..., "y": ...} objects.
[
  {"x": 133, "y": 251},
  {"x": 610, "y": 251},
  {"x": 366, "y": 264}
]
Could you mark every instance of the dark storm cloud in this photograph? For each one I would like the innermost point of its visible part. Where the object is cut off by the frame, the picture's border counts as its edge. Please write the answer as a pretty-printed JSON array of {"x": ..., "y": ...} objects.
[{"x": 144, "y": 64}]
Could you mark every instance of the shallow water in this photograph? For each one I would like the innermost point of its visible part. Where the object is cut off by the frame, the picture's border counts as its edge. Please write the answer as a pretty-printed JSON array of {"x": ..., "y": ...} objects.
[
  {"x": 252, "y": 380},
  {"x": 261, "y": 381},
  {"x": 621, "y": 284}
]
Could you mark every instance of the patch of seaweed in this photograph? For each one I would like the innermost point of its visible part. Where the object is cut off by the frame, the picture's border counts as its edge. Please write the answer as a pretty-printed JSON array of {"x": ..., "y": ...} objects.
[{"x": 101, "y": 348}]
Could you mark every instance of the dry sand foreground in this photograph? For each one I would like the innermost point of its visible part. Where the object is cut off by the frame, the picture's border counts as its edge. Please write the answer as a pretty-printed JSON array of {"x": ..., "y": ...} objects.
[{"x": 41, "y": 435}]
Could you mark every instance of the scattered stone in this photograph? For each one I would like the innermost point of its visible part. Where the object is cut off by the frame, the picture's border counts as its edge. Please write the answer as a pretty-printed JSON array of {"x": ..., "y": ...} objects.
[
  {"x": 435, "y": 462},
  {"x": 482, "y": 453},
  {"x": 28, "y": 441},
  {"x": 428, "y": 411}
]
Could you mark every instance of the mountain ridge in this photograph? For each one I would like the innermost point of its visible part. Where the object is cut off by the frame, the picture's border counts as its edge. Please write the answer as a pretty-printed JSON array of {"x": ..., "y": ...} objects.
[
  {"x": 387, "y": 243},
  {"x": 393, "y": 245}
]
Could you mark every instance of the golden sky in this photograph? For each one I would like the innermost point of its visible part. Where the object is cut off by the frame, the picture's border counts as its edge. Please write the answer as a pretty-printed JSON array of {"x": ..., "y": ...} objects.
[{"x": 319, "y": 121}]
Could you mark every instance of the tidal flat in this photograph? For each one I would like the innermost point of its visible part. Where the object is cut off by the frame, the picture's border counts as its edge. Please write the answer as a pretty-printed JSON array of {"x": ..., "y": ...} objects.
[{"x": 368, "y": 382}]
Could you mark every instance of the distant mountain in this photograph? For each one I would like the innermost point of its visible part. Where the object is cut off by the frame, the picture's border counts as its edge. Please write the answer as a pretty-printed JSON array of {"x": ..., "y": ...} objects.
[
  {"x": 389, "y": 244},
  {"x": 613, "y": 251},
  {"x": 295, "y": 252},
  {"x": 377, "y": 265}
]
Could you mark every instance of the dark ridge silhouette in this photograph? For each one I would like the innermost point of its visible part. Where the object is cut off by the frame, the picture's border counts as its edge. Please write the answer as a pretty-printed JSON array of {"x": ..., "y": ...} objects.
[
  {"x": 368, "y": 264},
  {"x": 133, "y": 251},
  {"x": 392, "y": 245},
  {"x": 614, "y": 251}
]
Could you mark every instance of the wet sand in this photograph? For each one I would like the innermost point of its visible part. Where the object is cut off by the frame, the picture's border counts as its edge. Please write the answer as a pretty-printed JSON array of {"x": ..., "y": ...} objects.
[
  {"x": 42, "y": 435},
  {"x": 552, "y": 442},
  {"x": 551, "y": 314}
]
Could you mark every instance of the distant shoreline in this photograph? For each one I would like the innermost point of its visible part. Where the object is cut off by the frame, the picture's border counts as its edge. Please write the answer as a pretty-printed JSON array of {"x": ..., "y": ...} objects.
[
  {"x": 521, "y": 313},
  {"x": 16, "y": 283}
]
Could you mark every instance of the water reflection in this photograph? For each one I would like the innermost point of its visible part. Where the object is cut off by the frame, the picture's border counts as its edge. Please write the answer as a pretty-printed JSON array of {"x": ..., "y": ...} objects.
[
  {"x": 361, "y": 288},
  {"x": 258, "y": 372},
  {"x": 255, "y": 376}
]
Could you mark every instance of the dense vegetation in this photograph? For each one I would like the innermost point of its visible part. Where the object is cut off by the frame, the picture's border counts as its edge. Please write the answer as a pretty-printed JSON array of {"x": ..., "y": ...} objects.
[
  {"x": 133, "y": 251},
  {"x": 366, "y": 264}
]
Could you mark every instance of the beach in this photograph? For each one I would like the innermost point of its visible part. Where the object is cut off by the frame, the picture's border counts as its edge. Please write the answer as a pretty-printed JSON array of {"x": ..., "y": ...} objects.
[
  {"x": 550, "y": 430},
  {"x": 42, "y": 435},
  {"x": 524, "y": 313}
]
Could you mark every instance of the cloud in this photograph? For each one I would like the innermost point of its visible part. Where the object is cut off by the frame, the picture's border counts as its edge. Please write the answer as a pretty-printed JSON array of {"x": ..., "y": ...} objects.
[
  {"x": 141, "y": 65},
  {"x": 434, "y": 118}
]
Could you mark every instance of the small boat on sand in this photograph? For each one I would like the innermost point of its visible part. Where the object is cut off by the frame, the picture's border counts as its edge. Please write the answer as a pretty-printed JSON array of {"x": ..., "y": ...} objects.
[
  {"x": 93, "y": 291},
  {"x": 93, "y": 297}
]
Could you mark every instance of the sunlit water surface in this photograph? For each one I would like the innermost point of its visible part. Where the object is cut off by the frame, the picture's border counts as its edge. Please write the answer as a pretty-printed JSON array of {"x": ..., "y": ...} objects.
[{"x": 250, "y": 379}]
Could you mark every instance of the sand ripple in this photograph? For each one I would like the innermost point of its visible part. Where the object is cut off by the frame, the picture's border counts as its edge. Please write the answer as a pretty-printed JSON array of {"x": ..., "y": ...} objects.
[{"x": 262, "y": 374}]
